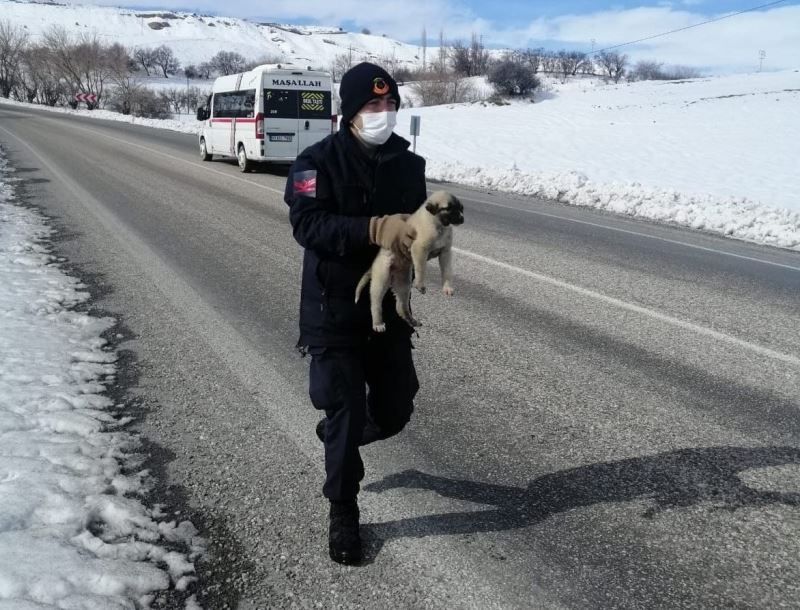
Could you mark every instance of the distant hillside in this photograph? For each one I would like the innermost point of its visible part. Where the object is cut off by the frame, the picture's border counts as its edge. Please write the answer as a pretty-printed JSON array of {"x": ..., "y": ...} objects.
[{"x": 195, "y": 38}]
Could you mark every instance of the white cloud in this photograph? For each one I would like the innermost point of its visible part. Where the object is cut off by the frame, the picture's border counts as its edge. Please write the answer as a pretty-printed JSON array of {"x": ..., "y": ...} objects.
[{"x": 728, "y": 45}]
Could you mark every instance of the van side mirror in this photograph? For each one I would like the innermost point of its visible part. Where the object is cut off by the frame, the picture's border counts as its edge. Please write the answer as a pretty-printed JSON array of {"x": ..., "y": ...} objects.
[{"x": 202, "y": 113}]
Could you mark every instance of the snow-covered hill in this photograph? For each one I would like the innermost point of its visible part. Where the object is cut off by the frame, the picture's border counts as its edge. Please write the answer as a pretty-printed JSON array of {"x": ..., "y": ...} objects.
[{"x": 196, "y": 38}]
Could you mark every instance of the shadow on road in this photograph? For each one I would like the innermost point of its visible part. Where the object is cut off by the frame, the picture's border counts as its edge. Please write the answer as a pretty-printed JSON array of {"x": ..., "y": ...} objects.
[{"x": 676, "y": 479}]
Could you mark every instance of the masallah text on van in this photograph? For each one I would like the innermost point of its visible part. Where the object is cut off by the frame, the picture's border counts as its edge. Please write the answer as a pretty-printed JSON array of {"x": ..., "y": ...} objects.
[{"x": 296, "y": 83}]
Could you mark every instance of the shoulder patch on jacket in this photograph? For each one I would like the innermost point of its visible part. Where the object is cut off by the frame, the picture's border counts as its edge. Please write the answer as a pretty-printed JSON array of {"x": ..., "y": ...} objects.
[{"x": 305, "y": 183}]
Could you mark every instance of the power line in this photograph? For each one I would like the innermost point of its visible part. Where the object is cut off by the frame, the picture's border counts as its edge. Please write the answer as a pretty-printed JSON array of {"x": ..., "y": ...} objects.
[{"x": 688, "y": 27}]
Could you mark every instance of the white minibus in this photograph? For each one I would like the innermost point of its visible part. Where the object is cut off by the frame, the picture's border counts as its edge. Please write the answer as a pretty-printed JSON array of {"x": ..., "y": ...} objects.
[{"x": 271, "y": 113}]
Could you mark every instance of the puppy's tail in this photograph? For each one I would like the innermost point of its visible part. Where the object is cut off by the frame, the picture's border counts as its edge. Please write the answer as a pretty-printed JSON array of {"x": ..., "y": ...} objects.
[{"x": 363, "y": 282}]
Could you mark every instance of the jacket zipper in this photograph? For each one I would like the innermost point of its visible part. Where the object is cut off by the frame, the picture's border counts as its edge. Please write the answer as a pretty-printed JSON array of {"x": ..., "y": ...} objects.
[{"x": 374, "y": 175}]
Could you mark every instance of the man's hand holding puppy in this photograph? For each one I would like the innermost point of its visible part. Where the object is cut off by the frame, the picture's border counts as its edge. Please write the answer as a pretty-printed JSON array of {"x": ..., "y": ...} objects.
[{"x": 393, "y": 233}]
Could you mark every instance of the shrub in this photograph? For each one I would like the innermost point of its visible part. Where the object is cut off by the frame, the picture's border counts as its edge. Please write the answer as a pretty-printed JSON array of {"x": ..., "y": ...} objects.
[
  {"x": 511, "y": 77},
  {"x": 145, "y": 103}
]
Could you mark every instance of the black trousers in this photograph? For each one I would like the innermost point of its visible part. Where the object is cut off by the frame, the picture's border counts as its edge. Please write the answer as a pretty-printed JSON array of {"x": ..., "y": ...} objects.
[{"x": 367, "y": 394}]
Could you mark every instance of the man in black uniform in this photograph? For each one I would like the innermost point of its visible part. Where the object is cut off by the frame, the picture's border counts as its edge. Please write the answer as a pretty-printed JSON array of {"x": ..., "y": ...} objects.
[{"x": 349, "y": 195}]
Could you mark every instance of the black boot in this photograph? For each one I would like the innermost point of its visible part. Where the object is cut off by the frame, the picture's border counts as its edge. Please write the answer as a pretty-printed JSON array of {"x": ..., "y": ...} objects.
[
  {"x": 344, "y": 542},
  {"x": 320, "y": 429}
]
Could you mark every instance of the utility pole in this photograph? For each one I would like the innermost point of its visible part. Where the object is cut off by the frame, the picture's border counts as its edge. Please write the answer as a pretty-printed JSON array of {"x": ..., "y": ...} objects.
[
  {"x": 442, "y": 51},
  {"x": 593, "y": 42},
  {"x": 762, "y": 54}
]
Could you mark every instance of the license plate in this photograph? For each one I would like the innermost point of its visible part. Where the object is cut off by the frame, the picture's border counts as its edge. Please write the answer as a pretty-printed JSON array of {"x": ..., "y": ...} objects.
[{"x": 281, "y": 137}]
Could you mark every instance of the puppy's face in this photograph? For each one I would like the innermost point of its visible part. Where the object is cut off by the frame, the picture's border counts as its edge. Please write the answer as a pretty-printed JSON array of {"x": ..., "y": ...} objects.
[{"x": 446, "y": 208}]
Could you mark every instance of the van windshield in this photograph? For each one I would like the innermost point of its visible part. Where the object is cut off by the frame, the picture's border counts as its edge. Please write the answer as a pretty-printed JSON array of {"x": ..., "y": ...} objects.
[{"x": 294, "y": 104}]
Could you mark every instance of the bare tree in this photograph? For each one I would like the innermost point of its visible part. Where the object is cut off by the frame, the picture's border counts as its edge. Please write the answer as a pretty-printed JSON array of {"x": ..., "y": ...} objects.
[
  {"x": 123, "y": 98},
  {"x": 459, "y": 59},
  {"x": 389, "y": 63},
  {"x": 549, "y": 61},
  {"x": 613, "y": 64},
  {"x": 264, "y": 59},
  {"x": 469, "y": 61},
  {"x": 121, "y": 72},
  {"x": 479, "y": 56},
  {"x": 424, "y": 48},
  {"x": 26, "y": 86},
  {"x": 94, "y": 67},
  {"x": 646, "y": 70},
  {"x": 13, "y": 40},
  {"x": 147, "y": 104},
  {"x": 81, "y": 63},
  {"x": 341, "y": 64},
  {"x": 120, "y": 61},
  {"x": 164, "y": 58},
  {"x": 174, "y": 97},
  {"x": 42, "y": 82},
  {"x": 204, "y": 70},
  {"x": 531, "y": 58},
  {"x": 569, "y": 62},
  {"x": 402, "y": 74},
  {"x": 195, "y": 96},
  {"x": 681, "y": 72},
  {"x": 653, "y": 70},
  {"x": 441, "y": 66},
  {"x": 228, "y": 62},
  {"x": 144, "y": 56},
  {"x": 443, "y": 89}
]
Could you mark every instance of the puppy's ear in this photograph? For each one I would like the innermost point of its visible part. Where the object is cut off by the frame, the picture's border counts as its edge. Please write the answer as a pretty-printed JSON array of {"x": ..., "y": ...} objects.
[{"x": 431, "y": 207}]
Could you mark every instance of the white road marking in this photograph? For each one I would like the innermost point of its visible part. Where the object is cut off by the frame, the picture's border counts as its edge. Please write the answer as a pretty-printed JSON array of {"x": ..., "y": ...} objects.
[
  {"x": 701, "y": 330},
  {"x": 637, "y": 233}
]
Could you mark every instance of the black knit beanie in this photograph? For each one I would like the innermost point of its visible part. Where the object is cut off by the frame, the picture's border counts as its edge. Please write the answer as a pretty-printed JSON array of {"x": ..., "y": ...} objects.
[{"x": 362, "y": 83}]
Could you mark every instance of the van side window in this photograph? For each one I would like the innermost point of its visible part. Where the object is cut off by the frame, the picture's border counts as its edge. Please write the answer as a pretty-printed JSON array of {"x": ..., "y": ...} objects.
[
  {"x": 250, "y": 103},
  {"x": 235, "y": 104}
]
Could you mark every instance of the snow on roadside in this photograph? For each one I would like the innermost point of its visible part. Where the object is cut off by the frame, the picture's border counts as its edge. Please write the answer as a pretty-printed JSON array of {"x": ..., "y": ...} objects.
[
  {"x": 187, "y": 124},
  {"x": 734, "y": 217},
  {"x": 73, "y": 531},
  {"x": 717, "y": 154}
]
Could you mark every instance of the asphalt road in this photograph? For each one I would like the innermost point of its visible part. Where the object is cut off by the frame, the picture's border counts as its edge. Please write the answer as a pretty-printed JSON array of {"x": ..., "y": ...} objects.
[{"x": 608, "y": 415}]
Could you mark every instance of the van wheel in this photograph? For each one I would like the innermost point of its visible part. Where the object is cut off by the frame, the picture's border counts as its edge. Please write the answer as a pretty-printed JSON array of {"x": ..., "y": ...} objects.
[
  {"x": 245, "y": 164},
  {"x": 204, "y": 154}
]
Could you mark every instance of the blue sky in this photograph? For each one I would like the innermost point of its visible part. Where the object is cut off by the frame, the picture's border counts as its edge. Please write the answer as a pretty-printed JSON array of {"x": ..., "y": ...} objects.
[{"x": 521, "y": 10}]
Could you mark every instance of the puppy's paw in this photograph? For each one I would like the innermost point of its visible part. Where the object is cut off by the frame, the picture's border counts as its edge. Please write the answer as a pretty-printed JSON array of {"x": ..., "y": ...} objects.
[
  {"x": 413, "y": 322},
  {"x": 420, "y": 287},
  {"x": 448, "y": 291},
  {"x": 379, "y": 328}
]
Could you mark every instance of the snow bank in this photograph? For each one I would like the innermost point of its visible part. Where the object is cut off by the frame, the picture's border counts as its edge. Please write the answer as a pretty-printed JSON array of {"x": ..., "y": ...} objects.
[{"x": 73, "y": 531}]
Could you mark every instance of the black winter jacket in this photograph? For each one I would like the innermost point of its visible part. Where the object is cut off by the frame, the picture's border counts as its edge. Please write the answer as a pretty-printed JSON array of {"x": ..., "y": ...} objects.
[{"x": 333, "y": 189}]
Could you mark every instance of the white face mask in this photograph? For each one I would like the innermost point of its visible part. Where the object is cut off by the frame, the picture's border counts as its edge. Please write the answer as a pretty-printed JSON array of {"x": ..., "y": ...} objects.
[{"x": 376, "y": 127}]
